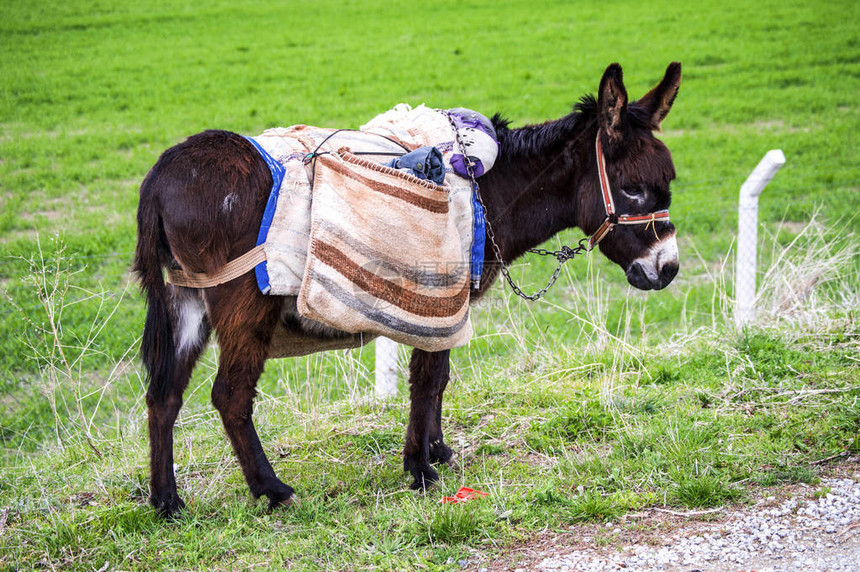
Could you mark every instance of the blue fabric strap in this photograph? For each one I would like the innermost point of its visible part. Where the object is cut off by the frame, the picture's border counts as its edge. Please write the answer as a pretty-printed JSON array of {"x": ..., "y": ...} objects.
[
  {"x": 478, "y": 238},
  {"x": 278, "y": 172}
]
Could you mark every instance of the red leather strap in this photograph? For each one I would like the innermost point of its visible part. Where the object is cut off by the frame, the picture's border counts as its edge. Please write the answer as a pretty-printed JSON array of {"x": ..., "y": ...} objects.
[{"x": 609, "y": 205}]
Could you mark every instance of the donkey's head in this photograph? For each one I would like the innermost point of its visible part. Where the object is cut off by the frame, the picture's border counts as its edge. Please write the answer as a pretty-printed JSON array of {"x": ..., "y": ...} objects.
[{"x": 636, "y": 171}]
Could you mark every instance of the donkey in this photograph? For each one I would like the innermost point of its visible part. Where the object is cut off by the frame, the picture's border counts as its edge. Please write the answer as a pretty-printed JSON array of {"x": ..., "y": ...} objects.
[{"x": 201, "y": 206}]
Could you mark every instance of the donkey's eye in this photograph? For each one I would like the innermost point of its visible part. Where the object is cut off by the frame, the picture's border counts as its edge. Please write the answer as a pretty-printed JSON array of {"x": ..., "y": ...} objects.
[{"x": 634, "y": 193}]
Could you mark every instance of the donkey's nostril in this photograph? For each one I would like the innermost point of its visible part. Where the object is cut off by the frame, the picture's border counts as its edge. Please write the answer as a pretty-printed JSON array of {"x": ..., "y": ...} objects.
[
  {"x": 667, "y": 274},
  {"x": 637, "y": 277}
]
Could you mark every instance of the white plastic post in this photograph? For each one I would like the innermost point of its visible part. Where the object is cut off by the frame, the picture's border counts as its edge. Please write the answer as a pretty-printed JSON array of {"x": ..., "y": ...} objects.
[
  {"x": 745, "y": 268},
  {"x": 386, "y": 368}
]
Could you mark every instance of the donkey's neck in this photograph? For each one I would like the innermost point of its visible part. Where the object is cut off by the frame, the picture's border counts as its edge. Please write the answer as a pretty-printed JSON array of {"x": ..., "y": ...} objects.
[{"x": 532, "y": 191}]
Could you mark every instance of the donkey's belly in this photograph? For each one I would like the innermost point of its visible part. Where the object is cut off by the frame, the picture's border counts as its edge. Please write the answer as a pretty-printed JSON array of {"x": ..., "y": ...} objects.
[
  {"x": 289, "y": 344},
  {"x": 298, "y": 336}
]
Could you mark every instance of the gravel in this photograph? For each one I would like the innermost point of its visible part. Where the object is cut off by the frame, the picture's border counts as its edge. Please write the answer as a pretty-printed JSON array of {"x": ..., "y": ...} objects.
[{"x": 793, "y": 535}]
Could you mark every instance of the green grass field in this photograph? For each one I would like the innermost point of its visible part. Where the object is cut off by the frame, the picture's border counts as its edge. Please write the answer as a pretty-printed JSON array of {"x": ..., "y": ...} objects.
[{"x": 592, "y": 403}]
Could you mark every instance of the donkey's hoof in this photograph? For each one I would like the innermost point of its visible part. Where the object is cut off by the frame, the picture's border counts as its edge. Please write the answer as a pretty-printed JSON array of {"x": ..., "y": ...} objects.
[
  {"x": 284, "y": 496},
  {"x": 440, "y": 452},
  {"x": 167, "y": 505},
  {"x": 424, "y": 479},
  {"x": 423, "y": 483},
  {"x": 421, "y": 471}
]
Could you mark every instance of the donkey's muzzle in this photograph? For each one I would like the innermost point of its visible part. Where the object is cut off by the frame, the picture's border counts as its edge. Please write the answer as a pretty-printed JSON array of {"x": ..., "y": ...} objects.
[{"x": 640, "y": 276}]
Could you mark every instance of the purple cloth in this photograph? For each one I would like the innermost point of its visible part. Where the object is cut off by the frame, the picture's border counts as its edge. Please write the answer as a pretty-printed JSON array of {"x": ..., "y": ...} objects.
[
  {"x": 479, "y": 138},
  {"x": 458, "y": 163}
]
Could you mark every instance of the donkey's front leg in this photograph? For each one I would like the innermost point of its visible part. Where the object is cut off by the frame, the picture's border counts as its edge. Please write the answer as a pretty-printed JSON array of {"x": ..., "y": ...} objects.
[
  {"x": 439, "y": 451},
  {"x": 428, "y": 377}
]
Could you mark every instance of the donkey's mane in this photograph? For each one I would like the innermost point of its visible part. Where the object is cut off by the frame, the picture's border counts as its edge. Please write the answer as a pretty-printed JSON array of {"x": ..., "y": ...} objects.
[{"x": 536, "y": 140}]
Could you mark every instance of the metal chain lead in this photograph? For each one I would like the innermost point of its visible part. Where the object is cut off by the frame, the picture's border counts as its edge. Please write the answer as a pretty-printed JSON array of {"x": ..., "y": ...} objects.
[{"x": 563, "y": 255}]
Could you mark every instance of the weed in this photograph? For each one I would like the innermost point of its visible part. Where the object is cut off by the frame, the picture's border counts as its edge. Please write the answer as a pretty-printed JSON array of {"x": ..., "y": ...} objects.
[
  {"x": 666, "y": 373},
  {"x": 589, "y": 420},
  {"x": 704, "y": 491},
  {"x": 591, "y": 505},
  {"x": 786, "y": 475},
  {"x": 455, "y": 524},
  {"x": 489, "y": 449},
  {"x": 821, "y": 492}
]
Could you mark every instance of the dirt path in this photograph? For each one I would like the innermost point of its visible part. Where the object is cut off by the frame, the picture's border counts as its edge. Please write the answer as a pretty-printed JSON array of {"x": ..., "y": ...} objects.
[{"x": 787, "y": 528}]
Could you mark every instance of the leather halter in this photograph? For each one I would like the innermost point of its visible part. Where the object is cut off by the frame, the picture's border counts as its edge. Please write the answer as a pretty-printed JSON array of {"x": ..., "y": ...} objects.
[{"x": 611, "y": 217}]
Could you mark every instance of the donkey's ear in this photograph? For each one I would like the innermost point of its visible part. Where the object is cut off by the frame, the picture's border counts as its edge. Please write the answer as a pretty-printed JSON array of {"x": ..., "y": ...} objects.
[
  {"x": 612, "y": 103},
  {"x": 659, "y": 100}
]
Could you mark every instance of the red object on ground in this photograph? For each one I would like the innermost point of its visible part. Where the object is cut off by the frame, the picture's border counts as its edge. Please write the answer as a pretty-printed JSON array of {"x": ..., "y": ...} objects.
[{"x": 463, "y": 495}]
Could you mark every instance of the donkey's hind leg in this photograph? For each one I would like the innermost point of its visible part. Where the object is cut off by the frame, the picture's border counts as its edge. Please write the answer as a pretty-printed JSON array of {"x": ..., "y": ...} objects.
[
  {"x": 164, "y": 397},
  {"x": 428, "y": 377},
  {"x": 245, "y": 321}
]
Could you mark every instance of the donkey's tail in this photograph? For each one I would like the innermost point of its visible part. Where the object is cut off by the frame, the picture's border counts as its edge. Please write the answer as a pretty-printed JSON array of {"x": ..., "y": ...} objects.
[{"x": 157, "y": 346}]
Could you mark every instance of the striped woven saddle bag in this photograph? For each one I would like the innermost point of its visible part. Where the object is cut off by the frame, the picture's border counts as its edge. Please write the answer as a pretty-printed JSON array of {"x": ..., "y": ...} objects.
[{"x": 388, "y": 254}]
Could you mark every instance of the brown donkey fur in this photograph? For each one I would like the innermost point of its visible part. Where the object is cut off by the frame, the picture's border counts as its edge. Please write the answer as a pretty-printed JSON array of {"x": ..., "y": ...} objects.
[{"x": 201, "y": 206}]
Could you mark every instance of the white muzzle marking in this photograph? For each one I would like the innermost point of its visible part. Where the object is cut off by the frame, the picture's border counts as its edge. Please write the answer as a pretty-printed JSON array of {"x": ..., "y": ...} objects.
[{"x": 660, "y": 254}]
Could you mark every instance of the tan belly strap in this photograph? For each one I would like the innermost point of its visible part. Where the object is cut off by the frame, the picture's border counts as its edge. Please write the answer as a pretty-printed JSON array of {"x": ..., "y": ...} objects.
[{"x": 233, "y": 269}]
